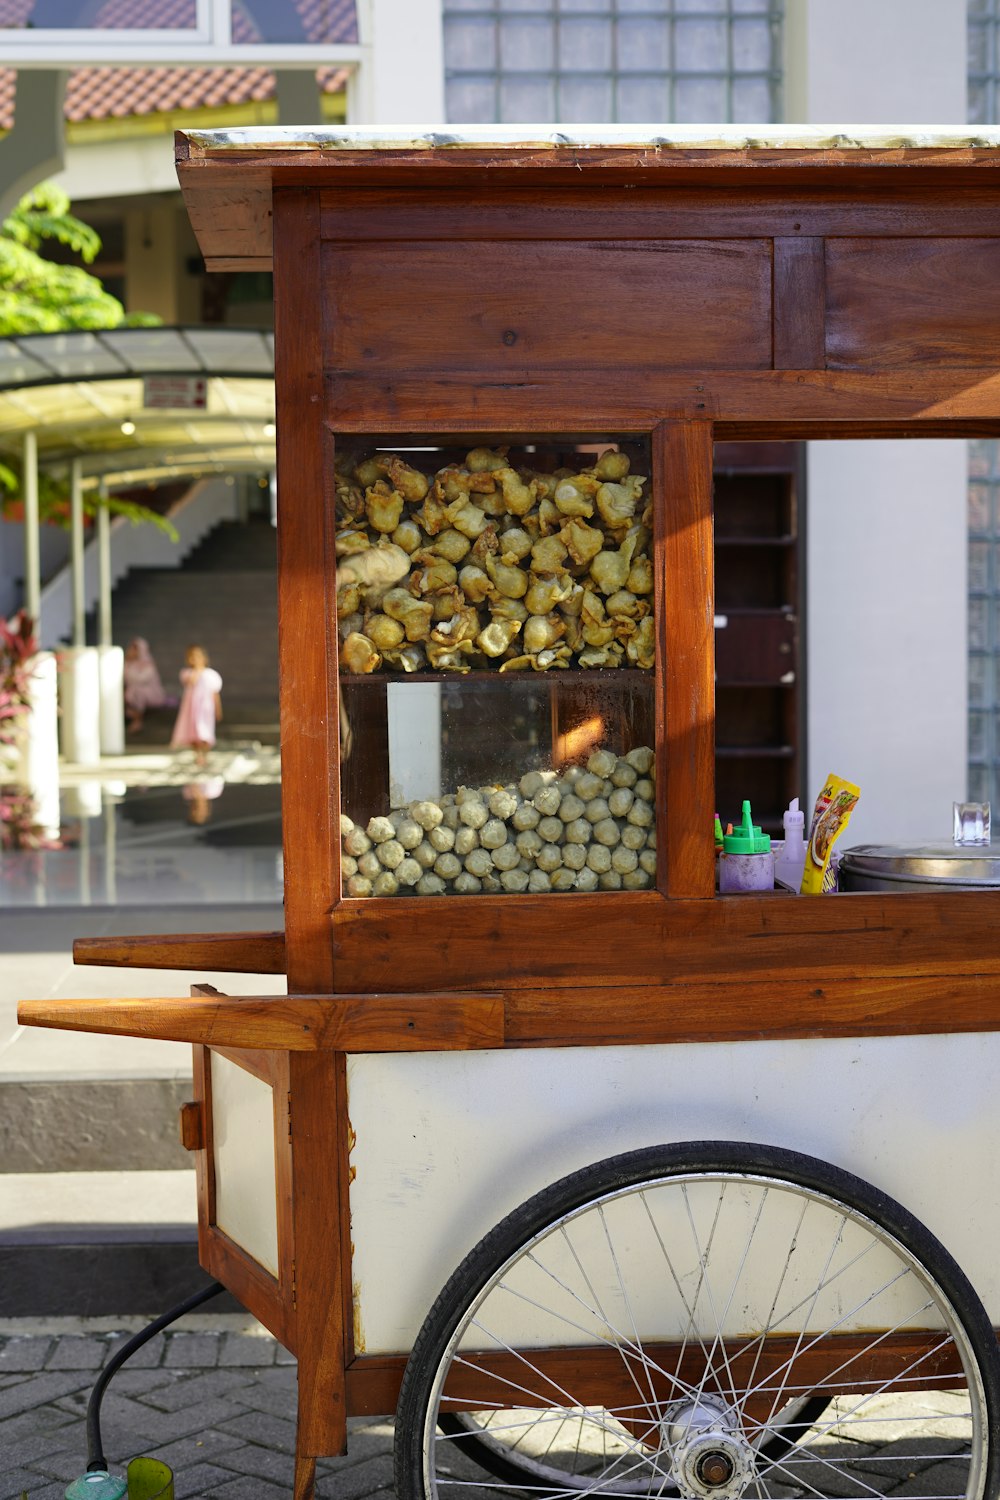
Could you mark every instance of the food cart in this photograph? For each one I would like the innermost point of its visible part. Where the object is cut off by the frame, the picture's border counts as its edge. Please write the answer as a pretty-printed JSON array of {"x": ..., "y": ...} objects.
[{"x": 661, "y": 1133}]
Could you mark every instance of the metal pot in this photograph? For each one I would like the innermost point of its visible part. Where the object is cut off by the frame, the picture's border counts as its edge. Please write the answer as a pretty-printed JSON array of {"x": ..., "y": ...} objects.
[{"x": 892, "y": 867}]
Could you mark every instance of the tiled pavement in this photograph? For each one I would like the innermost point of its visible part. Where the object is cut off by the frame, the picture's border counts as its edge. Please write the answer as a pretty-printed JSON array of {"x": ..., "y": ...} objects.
[
  {"x": 218, "y": 1407},
  {"x": 217, "y": 1403}
]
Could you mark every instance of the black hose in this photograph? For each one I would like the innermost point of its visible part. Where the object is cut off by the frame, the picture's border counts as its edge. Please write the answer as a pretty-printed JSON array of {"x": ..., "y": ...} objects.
[{"x": 95, "y": 1447}]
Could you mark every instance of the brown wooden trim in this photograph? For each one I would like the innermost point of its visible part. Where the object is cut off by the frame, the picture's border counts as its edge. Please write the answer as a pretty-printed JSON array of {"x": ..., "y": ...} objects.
[
  {"x": 648, "y": 213},
  {"x": 234, "y": 952},
  {"x": 599, "y": 1376},
  {"x": 556, "y": 941},
  {"x": 257, "y": 1289},
  {"x": 761, "y": 1009},
  {"x": 319, "y": 1158},
  {"x": 306, "y": 670},
  {"x": 359, "y": 1023},
  {"x": 261, "y": 1064},
  {"x": 204, "y": 1161},
  {"x": 799, "y": 303},
  {"x": 632, "y": 399},
  {"x": 685, "y": 683}
]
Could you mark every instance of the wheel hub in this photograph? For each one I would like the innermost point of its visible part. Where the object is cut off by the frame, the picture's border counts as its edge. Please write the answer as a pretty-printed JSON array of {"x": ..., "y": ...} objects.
[{"x": 710, "y": 1458}]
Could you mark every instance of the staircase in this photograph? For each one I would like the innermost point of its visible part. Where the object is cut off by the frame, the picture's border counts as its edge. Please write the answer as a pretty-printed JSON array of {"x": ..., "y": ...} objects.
[{"x": 225, "y": 599}]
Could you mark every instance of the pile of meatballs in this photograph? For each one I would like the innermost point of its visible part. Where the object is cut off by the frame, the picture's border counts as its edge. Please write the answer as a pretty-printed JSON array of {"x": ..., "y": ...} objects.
[
  {"x": 484, "y": 565},
  {"x": 587, "y": 828}
]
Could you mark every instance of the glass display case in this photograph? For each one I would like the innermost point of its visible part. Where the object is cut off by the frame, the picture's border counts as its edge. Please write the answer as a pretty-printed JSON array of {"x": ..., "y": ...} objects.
[{"x": 497, "y": 626}]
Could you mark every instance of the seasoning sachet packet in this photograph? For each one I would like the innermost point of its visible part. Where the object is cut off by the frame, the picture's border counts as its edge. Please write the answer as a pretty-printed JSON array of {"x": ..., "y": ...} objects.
[{"x": 831, "y": 815}]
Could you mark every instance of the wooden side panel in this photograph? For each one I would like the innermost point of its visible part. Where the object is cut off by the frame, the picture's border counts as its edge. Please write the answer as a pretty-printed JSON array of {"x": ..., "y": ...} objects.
[
  {"x": 516, "y": 307},
  {"x": 799, "y": 303},
  {"x": 682, "y": 460},
  {"x": 268, "y": 1299},
  {"x": 307, "y": 651},
  {"x": 901, "y": 302}
]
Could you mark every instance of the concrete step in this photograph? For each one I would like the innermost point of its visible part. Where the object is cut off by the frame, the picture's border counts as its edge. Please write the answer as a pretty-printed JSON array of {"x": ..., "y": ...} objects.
[
  {"x": 95, "y": 1243},
  {"x": 97, "y": 1203}
]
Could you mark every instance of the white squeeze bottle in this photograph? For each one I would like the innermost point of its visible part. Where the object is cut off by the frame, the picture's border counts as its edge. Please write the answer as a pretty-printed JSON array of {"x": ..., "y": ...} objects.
[{"x": 790, "y": 859}]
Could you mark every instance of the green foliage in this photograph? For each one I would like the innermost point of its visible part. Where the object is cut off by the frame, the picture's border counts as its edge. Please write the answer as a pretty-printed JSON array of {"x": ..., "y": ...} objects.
[{"x": 39, "y": 296}]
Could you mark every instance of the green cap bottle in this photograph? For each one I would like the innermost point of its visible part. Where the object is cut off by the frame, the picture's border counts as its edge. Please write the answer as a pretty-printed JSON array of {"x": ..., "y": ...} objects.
[{"x": 746, "y": 839}]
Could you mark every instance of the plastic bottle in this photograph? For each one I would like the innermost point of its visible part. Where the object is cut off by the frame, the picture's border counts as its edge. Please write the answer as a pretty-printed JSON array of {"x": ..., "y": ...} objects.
[
  {"x": 789, "y": 862},
  {"x": 747, "y": 861}
]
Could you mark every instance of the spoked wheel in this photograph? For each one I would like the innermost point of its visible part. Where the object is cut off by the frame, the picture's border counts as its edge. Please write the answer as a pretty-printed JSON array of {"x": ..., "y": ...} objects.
[{"x": 672, "y": 1321}]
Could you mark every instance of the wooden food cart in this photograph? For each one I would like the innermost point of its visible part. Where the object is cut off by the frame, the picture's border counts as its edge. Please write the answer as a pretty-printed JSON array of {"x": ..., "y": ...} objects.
[{"x": 502, "y": 364}]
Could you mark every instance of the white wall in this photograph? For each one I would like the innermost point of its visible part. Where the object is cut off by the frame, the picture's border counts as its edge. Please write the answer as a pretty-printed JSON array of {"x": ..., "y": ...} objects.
[
  {"x": 886, "y": 631},
  {"x": 886, "y": 570},
  {"x": 401, "y": 79}
]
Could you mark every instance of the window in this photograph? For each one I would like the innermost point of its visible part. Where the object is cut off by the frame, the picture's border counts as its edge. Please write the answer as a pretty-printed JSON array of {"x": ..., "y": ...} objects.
[{"x": 604, "y": 61}]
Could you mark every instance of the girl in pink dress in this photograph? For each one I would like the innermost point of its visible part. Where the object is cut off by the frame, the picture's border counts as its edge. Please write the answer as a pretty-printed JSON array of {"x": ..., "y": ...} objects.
[
  {"x": 200, "y": 706},
  {"x": 143, "y": 688}
]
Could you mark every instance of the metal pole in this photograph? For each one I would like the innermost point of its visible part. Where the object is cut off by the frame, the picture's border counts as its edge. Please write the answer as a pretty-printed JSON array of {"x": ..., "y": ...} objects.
[
  {"x": 103, "y": 568},
  {"x": 76, "y": 553},
  {"x": 32, "y": 555}
]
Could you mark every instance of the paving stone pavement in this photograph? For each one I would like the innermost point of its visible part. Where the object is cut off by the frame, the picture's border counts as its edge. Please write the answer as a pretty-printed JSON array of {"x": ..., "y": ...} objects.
[
  {"x": 217, "y": 1404},
  {"x": 218, "y": 1407}
]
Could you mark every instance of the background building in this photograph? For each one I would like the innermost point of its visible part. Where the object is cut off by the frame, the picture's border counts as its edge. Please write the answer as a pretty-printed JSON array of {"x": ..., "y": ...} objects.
[{"x": 885, "y": 638}]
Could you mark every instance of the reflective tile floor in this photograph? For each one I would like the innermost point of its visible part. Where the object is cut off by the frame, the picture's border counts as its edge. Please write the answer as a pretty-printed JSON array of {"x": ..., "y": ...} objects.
[{"x": 152, "y": 828}]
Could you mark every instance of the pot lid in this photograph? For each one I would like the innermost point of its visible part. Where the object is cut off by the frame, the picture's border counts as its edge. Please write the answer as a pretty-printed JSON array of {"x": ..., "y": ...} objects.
[{"x": 932, "y": 864}]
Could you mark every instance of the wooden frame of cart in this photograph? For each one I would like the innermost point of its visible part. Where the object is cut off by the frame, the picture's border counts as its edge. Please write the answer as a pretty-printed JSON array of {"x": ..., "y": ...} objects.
[{"x": 423, "y": 293}]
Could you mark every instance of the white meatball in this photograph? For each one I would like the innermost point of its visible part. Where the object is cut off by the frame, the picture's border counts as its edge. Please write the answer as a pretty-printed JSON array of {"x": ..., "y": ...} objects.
[
  {"x": 357, "y": 842},
  {"x": 506, "y": 857},
  {"x": 549, "y": 858},
  {"x": 624, "y": 859},
  {"x": 551, "y": 830},
  {"x": 425, "y": 854},
  {"x": 430, "y": 885},
  {"x": 526, "y": 816},
  {"x": 441, "y": 838},
  {"x": 359, "y": 886},
  {"x": 385, "y": 884},
  {"x": 380, "y": 830},
  {"x": 621, "y": 800},
  {"x": 503, "y": 804},
  {"x": 409, "y": 833},
  {"x": 466, "y": 839},
  {"x": 493, "y": 834},
  {"x": 514, "y": 881},
  {"x": 427, "y": 814},
  {"x": 479, "y": 863},
  {"x": 607, "y": 832},
  {"x": 447, "y": 866},
  {"x": 391, "y": 853},
  {"x": 409, "y": 872}
]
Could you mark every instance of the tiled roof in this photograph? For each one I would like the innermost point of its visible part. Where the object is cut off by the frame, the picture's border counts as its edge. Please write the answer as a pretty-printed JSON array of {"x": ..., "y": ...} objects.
[
  {"x": 116, "y": 93},
  {"x": 312, "y": 20}
]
